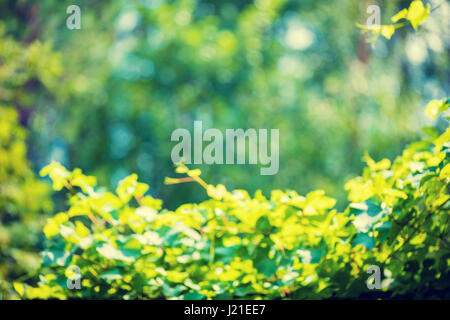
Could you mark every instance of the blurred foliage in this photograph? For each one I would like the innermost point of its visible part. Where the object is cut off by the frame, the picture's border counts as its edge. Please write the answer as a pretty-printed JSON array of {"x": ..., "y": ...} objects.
[
  {"x": 22, "y": 201},
  {"x": 137, "y": 70},
  {"x": 415, "y": 15},
  {"x": 106, "y": 98},
  {"x": 23, "y": 198},
  {"x": 237, "y": 246}
]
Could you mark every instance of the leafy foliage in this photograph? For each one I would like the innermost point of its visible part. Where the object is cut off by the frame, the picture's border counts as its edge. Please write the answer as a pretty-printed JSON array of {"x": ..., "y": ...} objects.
[
  {"x": 415, "y": 15},
  {"x": 118, "y": 90},
  {"x": 237, "y": 246},
  {"x": 23, "y": 199},
  {"x": 138, "y": 70}
]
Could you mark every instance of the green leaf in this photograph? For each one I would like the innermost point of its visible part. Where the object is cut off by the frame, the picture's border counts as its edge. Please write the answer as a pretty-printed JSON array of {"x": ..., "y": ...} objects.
[
  {"x": 110, "y": 252},
  {"x": 58, "y": 257},
  {"x": 364, "y": 240},
  {"x": 110, "y": 275},
  {"x": 435, "y": 107},
  {"x": 20, "y": 288}
]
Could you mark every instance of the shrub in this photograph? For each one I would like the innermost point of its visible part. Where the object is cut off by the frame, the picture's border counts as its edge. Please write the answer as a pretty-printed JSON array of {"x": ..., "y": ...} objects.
[
  {"x": 237, "y": 246},
  {"x": 23, "y": 201}
]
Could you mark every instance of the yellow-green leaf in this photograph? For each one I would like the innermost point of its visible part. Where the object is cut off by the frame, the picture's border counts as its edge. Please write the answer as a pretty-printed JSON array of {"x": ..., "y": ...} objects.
[
  {"x": 400, "y": 15},
  {"x": 81, "y": 230},
  {"x": 51, "y": 229},
  {"x": 387, "y": 31},
  {"x": 417, "y": 13},
  {"x": 434, "y": 107},
  {"x": 194, "y": 173},
  {"x": 19, "y": 287}
]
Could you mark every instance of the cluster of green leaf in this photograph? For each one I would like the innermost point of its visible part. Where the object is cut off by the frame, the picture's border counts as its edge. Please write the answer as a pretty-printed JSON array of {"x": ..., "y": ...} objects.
[
  {"x": 115, "y": 91},
  {"x": 136, "y": 71},
  {"x": 414, "y": 15},
  {"x": 23, "y": 199},
  {"x": 402, "y": 211},
  {"x": 237, "y": 246},
  {"x": 24, "y": 67}
]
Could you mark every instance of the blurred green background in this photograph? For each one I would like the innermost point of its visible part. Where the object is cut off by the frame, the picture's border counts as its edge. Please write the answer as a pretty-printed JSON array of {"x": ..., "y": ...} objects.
[{"x": 107, "y": 97}]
